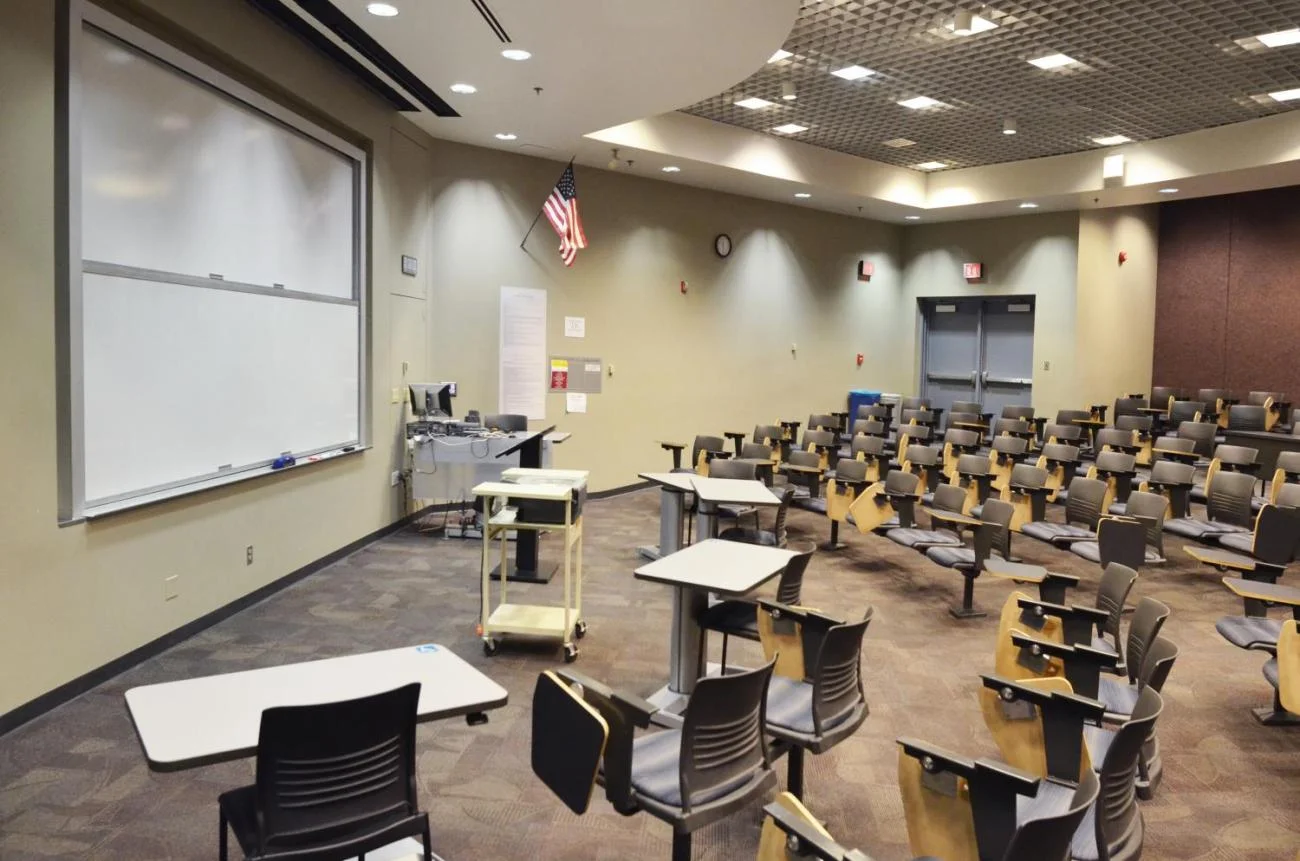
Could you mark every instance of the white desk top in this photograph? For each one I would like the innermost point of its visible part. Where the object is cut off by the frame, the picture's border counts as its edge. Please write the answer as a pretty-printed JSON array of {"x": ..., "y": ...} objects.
[
  {"x": 725, "y": 567},
  {"x": 671, "y": 480},
  {"x": 741, "y": 491},
  {"x": 556, "y": 436},
  {"x": 575, "y": 477},
  {"x": 194, "y": 722},
  {"x": 526, "y": 490}
]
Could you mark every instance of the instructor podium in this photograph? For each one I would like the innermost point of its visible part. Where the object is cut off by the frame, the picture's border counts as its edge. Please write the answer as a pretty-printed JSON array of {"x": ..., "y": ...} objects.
[{"x": 527, "y": 568}]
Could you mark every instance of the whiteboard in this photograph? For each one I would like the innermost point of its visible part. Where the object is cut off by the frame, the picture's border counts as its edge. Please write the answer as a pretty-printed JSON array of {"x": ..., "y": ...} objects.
[
  {"x": 219, "y": 311},
  {"x": 179, "y": 178}
]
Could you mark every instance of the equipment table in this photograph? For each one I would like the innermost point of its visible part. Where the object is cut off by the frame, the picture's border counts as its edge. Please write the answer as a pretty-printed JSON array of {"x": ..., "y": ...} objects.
[
  {"x": 726, "y": 568},
  {"x": 673, "y": 487},
  {"x": 712, "y": 492},
  {"x": 194, "y": 722}
]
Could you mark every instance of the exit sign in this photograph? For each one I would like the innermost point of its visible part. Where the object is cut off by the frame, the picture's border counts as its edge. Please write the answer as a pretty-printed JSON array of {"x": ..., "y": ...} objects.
[{"x": 972, "y": 271}]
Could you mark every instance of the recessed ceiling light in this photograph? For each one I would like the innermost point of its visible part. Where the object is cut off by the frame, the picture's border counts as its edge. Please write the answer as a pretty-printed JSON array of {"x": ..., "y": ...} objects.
[
  {"x": 1285, "y": 95},
  {"x": 515, "y": 54},
  {"x": 912, "y": 217},
  {"x": 787, "y": 91},
  {"x": 1280, "y": 38},
  {"x": 853, "y": 73},
  {"x": 1028, "y": 205},
  {"x": 966, "y": 24},
  {"x": 802, "y": 195},
  {"x": 754, "y": 103},
  {"x": 780, "y": 54},
  {"x": 1052, "y": 61},
  {"x": 1112, "y": 140},
  {"x": 671, "y": 168},
  {"x": 506, "y": 136},
  {"x": 464, "y": 89},
  {"x": 1168, "y": 191},
  {"x": 383, "y": 10},
  {"x": 919, "y": 102},
  {"x": 931, "y": 165},
  {"x": 790, "y": 129},
  {"x": 898, "y": 143}
]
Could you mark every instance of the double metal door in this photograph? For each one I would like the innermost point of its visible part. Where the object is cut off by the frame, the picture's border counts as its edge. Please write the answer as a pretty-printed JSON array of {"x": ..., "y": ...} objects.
[{"x": 978, "y": 350}]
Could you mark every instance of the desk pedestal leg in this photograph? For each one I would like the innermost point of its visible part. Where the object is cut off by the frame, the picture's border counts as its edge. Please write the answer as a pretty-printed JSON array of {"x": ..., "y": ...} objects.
[
  {"x": 687, "y": 659},
  {"x": 670, "y": 526},
  {"x": 706, "y": 519}
]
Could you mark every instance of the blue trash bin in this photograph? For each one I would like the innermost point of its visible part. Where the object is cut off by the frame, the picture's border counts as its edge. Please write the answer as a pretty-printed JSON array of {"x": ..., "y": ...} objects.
[{"x": 861, "y": 398}]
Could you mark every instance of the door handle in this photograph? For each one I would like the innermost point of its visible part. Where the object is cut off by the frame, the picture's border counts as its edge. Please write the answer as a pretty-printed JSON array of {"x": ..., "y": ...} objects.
[
  {"x": 984, "y": 377},
  {"x": 972, "y": 378}
]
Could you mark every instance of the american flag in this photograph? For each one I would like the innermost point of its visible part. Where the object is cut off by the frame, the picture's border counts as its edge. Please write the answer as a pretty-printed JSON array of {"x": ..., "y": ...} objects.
[{"x": 561, "y": 210}]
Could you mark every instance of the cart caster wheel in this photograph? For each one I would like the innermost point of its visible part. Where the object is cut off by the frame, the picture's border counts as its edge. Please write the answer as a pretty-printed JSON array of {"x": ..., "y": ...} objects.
[
  {"x": 489, "y": 647},
  {"x": 570, "y": 654},
  {"x": 580, "y": 629}
]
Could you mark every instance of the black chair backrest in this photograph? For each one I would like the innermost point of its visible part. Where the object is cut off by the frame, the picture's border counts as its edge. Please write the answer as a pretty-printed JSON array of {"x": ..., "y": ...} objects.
[
  {"x": 1084, "y": 504},
  {"x": 1187, "y": 411},
  {"x": 870, "y": 427},
  {"x": 972, "y": 464},
  {"x": 1114, "y": 437},
  {"x": 1152, "y": 508},
  {"x": 949, "y": 497},
  {"x": 999, "y": 513},
  {"x": 1229, "y": 498},
  {"x": 1009, "y": 425},
  {"x": 1011, "y": 445},
  {"x": 1201, "y": 434},
  {"x": 1115, "y": 461},
  {"x": 1148, "y": 619},
  {"x": 510, "y": 422},
  {"x": 1139, "y": 423},
  {"x": 1128, "y": 407},
  {"x": 874, "y": 411},
  {"x": 1175, "y": 443},
  {"x": 824, "y": 421},
  {"x": 1068, "y": 417},
  {"x": 349, "y": 762},
  {"x": 922, "y": 455},
  {"x": 972, "y": 407},
  {"x": 706, "y": 443},
  {"x": 959, "y": 437},
  {"x": 782, "y": 509},
  {"x": 1028, "y": 476},
  {"x": 722, "y": 732},
  {"x": 850, "y": 470},
  {"x": 733, "y": 469},
  {"x": 1235, "y": 455},
  {"x": 1158, "y": 662},
  {"x": 818, "y": 437},
  {"x": 755, "y": 451},
  {"x": 1288, "y": 496},
  {"x": 916, "y": 433},
  {"x": 1048, "y": 838},
  {"x": 914, "y": 404},
  {"x": 1063, "y": 433},
  {"x": 1277, "y": 534},
  {"x": 921, "y": 417},
  {"x": 1211, "y": 396},
  {"x": 1061, "y": 452},
  {"x": 772, "y": 433},
  {"x": 1018, "y": 411},
  {"x": 1116, "y": 582},
  {"x": 1289, "y": 462},
  {"x": 1172, "y": 472},
  {"x": 837, "y": 673},
  {"x": 871, "y": 446},
  {"x": 1160, "y": 395},
  {"x": 955, "y": 416},
  {"x": 1260, "y": 398},
  {"x": 790, "y": 587},
  {"x": 1122, "y": 541},
  {"x": 899, "y": 481},
  {"x": 1247, "y": 417},
  {"x": 1118, "y": 817}
]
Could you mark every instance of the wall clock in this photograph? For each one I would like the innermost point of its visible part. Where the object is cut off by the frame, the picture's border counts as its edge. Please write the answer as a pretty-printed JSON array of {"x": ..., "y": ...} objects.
[{"x": 722, "y": 244}]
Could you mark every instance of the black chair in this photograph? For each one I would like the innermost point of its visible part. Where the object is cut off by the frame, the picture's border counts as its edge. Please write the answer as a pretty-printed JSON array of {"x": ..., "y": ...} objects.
[
  {"x": 815, "y": 699},
  {"x": 1262, "y": 555},
  {"x": 773, "y": 538},
  {"x": 1227, "y": 509},
  {"x": 1120, "y": 698},
  {"x": 709, "y": 765},
  {"x": 509, "y": 422},
  {"x": 947, "y": 497},
  {"x": 738, "y": 617},
  {"x": 334, "y": 781},
  {"x": 992, "y": 531},
  {"x": 1083, "y": 510}
]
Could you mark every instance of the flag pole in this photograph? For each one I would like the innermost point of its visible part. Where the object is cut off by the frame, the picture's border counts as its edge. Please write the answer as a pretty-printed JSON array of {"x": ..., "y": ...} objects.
[{"x": 538, "y": 216}]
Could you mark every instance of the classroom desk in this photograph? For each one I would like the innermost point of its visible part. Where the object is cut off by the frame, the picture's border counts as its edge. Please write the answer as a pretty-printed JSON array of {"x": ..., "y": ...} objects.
[
  {"x": 1269, "y": 444},
  {"x": 673, "y": 487},
  {"x": 193, "y": 722},
  {"x": 726, "y": 568},
  {"x": 712, "y": 492}
]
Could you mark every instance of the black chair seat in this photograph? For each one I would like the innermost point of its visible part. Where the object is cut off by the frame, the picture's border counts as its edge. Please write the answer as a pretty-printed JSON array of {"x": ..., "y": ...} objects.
[
  {"x": 733, "y": 618},
  {"x": 789, "y": 707},
  {"x": 1200, "y": 530},
  {"x": 1054, "y": 532},
  {"x": 1249, "y": 632},
  {"x": 1242, "y": 542},
  {"x": 1119, "y": 697},
  {"x": 1091, "y": 551},
  {"x": 760, "y": 537},
  {"x": 1270, "y": 671},
  {"x": 1101, "y": 644},
  {"x": 952, "y": 557},
  {"x": 923, "y": 538},
  {"x": 656, "y": 772},
  {"x": 1053, "y": 799}
]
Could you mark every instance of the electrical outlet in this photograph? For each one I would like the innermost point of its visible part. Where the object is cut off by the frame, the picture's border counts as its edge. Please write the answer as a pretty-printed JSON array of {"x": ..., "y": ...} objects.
[
  {"x": 406, "y": 366},
  {"x": 171, "y": 587},
  {"x": 395, "y": 479},
  {"x": 248, "y": 555},
  {"x": 1047, "y": 366}
]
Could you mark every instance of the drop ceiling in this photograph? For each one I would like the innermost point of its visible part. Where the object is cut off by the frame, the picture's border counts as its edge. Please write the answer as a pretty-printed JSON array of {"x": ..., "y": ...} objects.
[{"x": 1144, "y": 69}]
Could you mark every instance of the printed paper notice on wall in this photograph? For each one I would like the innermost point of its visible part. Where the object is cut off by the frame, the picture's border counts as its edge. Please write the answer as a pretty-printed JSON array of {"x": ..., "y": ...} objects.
[
  {"x": 575, "y": 402},
  {"x": 575, "y": 327},
  {"x": 559, "y": 375}
]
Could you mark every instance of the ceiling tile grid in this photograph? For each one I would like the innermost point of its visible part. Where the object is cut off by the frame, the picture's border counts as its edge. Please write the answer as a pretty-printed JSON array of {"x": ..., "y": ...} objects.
[{"x": 1144, "y": 69}]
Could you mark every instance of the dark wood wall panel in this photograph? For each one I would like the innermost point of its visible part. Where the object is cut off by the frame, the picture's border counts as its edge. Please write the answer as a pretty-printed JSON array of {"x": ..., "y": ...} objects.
[{"x": 1228, "y": 293}]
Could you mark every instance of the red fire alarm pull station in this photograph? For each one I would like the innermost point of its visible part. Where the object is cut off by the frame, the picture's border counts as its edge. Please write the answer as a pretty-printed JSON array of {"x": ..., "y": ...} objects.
[
  {"x": 865, "y": 270},
  {"x": 1123, "y": 258},
  {"x": 683, "y": 287},
  {"x": 972, "y": 271},
  {"x": 860, "y": 359}
]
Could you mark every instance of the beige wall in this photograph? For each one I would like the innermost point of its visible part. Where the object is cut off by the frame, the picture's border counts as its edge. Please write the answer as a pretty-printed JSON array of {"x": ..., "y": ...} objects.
[
  {"x": 1117, "y": 304},
  {"x": 1024, "y": 255}
]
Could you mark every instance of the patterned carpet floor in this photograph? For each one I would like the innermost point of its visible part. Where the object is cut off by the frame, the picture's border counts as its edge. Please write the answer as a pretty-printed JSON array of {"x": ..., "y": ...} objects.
[{"x": 74, "y": 784}]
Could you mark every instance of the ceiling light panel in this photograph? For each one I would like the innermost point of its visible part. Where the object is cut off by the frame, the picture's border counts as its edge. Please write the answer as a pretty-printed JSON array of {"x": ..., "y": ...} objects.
[
  {"x": 1148, "y": 70},
  {"x": 853, "y": 73},
  {"x": 789, "y": 129},
  {"x": 1052, "y": 61},
  {"x": 898, "y": 143},
  {"x": 754, "y": 103},
  {"x": 920, "y": 103},
  {"x": 1112, "y": 140},
  {"x": 781, "y": 54},
  {"x": 930, "y": 165},
  {"x": 1285, "y": 95},
  {"x": 1280, "y": 39}
]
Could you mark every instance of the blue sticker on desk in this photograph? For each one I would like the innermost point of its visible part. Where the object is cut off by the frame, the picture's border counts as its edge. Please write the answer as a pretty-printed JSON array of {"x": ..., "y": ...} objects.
[{"x": 427, "y": 647}]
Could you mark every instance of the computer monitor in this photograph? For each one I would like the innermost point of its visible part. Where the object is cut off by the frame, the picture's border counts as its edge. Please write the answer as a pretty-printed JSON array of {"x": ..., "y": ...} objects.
[{"x": 432, "y": 400}]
